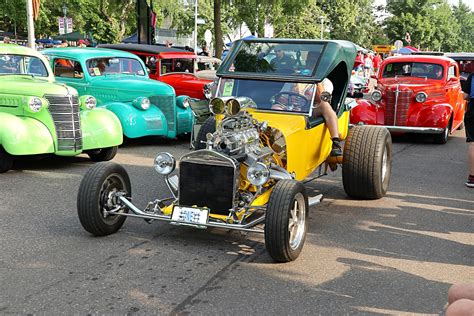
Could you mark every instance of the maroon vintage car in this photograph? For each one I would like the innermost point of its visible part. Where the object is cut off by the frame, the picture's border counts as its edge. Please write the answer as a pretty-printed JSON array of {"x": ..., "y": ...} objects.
[
  {"x": 174, "y": 66},
  {"x": 416, "y": 94}
]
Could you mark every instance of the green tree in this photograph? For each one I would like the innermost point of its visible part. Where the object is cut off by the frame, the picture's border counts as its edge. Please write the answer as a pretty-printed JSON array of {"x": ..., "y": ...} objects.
[
  {"x": 465, "y": 18},
  {"x": 304, "y": 24},
  {"x": 13, "y": 16},
  {"x": 431, "y": 23}
]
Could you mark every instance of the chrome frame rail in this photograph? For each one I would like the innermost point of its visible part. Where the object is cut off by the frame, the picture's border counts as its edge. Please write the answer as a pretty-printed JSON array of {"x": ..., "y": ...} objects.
[{"x": 141, "y": 214}]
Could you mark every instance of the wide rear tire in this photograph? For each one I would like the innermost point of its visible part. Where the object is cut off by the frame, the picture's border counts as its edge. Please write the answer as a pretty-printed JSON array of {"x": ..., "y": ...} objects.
[
  {"x": 6, "y": 161},
  {"x": 209, "y": 126},
  {"x": 96, "y": 194},
  {"x": 286, "y": 221},
  {"x": 103, "y": 154},
  {"x": 367, "y": 162}
]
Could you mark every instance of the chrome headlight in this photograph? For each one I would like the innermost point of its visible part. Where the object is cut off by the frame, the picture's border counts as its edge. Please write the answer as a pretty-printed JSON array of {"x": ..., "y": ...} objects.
[
  {"x": 258, "y": 174},
  {"x": 186, "y": 103},
  {"x": 376, "y": 96},
  {"x": 87, "y": 102},
  {"x": 421, "y": 97},
  {"x": 207, "y": 90},
  {"x": 164, "y": 163},
  {"x": 142, "y": 103},
  {"x": 35, "y": 104}
]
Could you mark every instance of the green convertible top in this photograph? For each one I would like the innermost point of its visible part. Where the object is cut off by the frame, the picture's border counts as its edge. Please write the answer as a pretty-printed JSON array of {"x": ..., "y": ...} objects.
[{"x": 288, "y": 59}]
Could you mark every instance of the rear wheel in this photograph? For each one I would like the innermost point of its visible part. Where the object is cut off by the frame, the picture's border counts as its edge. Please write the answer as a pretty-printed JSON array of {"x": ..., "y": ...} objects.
[
  {"x": 103, "y": 154},
  {"x": 97, "y": 195},
  {"x": 6, "y": 161},
  {"x": 286, "y": 221},
  {"x": 209, "y": 126},
  {"x": 367, "y": 162}
]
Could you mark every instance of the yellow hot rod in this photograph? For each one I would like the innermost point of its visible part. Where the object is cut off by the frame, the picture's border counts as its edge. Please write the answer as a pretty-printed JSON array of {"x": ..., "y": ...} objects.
[{"x": 253, "y": 155}]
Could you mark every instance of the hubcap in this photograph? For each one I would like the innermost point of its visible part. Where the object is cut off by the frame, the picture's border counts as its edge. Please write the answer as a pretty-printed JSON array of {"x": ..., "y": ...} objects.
[
  {"x": 297, "y": 221},
  {"x": 107, "y": 199}
]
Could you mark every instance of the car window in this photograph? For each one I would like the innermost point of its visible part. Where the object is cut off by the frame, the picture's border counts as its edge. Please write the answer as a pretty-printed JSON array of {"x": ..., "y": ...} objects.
[
  {"x": 413, "y": 69},
  {"x": 68, "y": 68},
  {"x": 114, "y": 65},
  {"x": 293, "y": 97},
  {"x": 276, "y": 58},
  {"x": 185, "y": 65},
  {"x": 22, "y": 65},
  {"x": 451, "y": 72}
]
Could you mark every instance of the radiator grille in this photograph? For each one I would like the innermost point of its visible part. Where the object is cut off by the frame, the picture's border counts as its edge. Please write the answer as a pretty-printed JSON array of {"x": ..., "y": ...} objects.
[
  {"x": 396, "y": 109},
  {"x": 65, "y": 113},
  {"x": 167, "y": 105},
  {"x": 207, "y": 184}
]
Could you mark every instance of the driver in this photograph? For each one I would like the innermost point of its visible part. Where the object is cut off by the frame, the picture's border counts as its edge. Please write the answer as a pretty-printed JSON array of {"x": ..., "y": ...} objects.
[
  {"x": 324, "y": 109},
  {"x": 320, "y": 107}
]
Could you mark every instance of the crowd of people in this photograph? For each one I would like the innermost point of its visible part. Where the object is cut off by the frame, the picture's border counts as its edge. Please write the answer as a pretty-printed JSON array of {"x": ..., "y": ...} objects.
[{"x": 367, "y": 64}]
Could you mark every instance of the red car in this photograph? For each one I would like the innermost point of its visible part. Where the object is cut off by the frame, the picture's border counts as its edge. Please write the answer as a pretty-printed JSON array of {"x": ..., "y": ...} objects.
[
  {"x": 416, "y": 94},
  {"x": 170, "y": 65}
]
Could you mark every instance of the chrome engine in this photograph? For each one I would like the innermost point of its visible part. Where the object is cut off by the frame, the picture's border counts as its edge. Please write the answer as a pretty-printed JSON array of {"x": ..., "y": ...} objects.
[{"x": 235, "y": 136}]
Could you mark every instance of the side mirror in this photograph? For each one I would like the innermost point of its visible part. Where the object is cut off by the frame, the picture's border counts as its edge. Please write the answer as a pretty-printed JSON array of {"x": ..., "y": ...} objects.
[
  {"x": 373, "y": 76},
  {"x": 453, "y": 79}
]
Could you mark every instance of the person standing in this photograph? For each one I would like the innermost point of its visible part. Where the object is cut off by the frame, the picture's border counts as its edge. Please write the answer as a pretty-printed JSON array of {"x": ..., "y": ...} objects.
[
  {"x": 377, "y": 60},
  {"x": 468, "y": 89},
  {"x": 367, "y": 65}
]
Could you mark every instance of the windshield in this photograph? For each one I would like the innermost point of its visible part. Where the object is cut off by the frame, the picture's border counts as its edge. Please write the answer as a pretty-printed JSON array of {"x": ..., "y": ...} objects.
[
  {"x": 276, "y": 58},
  {"x": 271, "y": 95},
  {"x": 114, "y": 65},
  {"x": 185, "y": 65},
  {"x": 412, "y": 69},
  {"x": 22, "y": 65}
]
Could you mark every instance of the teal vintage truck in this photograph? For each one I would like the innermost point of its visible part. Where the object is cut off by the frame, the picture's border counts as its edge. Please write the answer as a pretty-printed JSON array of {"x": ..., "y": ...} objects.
[
  {"x": 119, "y": 81},
  {"x": 40, "y": 116}
]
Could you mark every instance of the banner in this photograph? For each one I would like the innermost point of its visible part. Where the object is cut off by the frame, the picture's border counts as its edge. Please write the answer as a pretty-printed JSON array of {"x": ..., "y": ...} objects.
[
  {"x": 62, "y": 29},
  {"x": 68, "y": 25}
]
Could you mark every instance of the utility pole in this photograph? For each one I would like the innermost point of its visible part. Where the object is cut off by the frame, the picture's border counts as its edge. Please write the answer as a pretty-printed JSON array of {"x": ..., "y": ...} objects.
[
  {"x": 195, "y": 25},
  {"x": 31, "y": 25}
]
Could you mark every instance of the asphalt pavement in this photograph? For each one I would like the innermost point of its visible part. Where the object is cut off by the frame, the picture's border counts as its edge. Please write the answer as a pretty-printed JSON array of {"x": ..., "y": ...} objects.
[{"x": 396, "y": 255}]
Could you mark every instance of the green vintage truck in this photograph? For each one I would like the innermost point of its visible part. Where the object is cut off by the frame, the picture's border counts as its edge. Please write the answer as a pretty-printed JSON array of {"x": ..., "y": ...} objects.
[
  {"x": 40, "y": 116},
  {"x": 120, "y": 83}
]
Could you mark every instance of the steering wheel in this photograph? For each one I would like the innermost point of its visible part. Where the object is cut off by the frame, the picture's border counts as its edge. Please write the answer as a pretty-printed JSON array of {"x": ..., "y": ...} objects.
[{"x": 294, "y": 101}]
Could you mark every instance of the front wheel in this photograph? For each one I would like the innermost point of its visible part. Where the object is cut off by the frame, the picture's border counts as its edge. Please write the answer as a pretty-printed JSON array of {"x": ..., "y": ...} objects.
[
  {"x": 286, "y": 221},
  {"x": 209, "y": 126},
  {"x": 6, "y": 161},
  {"x": 97, "y": 195},
  {"x": 367, "y": 162},
  {"x": 443, "y": 137},
  {"x": 103, "y": 154}
]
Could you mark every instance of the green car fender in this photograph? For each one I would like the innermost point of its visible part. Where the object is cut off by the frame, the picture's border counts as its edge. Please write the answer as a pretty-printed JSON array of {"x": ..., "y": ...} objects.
[
  {"x": 21, "y": 135},
  {"x": 100, "y": 129},
  {"x": 137, "y": 122},
  {"x": 184, "y": 114}
]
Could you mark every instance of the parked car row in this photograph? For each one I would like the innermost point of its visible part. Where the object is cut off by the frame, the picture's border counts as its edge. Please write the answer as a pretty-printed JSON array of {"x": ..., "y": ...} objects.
[
  {"x": 86, "y": 100},
  {"x": 261, "y": 143}
]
